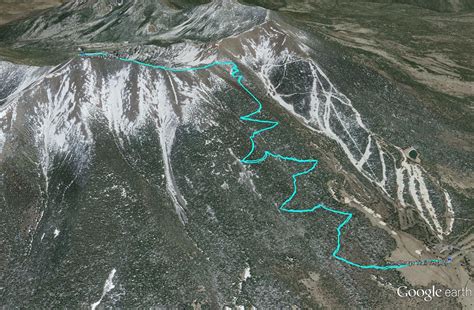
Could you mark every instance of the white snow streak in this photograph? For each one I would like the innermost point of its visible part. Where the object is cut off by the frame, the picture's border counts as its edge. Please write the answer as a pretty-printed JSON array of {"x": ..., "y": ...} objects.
[
  {"x": 108, "y": 286},
  {"x": 331, "y": 113}
]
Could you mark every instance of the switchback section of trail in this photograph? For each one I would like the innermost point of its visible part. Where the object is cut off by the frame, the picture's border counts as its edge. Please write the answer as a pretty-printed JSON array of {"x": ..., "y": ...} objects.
[{"x": 269, "y": 125}]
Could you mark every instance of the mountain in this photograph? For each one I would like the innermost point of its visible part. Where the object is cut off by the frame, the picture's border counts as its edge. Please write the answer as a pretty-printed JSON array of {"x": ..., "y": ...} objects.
[
  {"x": 80, "y": 22},
  {"x": 123, "y": 183}
]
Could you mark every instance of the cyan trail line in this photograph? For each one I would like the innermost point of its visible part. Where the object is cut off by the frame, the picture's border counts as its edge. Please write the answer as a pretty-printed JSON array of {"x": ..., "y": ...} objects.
[{"x": 236, "y": 74}]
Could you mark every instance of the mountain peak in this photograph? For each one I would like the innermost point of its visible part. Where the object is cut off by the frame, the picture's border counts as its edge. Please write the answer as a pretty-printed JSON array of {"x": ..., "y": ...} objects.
[{"x": 115, "y": 22}]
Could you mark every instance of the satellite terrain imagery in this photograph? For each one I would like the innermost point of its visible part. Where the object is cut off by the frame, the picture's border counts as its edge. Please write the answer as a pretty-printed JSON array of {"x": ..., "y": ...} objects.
[{"x": 237, "y": 154}]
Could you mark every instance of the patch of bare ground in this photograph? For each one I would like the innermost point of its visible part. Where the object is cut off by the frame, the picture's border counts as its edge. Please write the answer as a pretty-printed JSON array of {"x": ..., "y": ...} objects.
[
  {"x": 11, "y": 10},
  {"x": 452, "y": 276}
]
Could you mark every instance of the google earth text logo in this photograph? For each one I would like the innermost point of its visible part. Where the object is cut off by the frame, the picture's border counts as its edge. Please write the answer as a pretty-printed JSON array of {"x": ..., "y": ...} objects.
[{"x": 429, "y": 293}]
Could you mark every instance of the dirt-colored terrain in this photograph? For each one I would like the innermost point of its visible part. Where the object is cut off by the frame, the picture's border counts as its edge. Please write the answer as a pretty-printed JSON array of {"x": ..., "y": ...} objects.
[
  {"x": 14, "y": 9},
  {"x": 428, "y": 49}
]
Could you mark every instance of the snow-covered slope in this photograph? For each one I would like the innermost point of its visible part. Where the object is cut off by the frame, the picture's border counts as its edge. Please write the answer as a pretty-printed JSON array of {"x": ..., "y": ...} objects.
[
  {"x": 16, "y": 78},
  {"x": 58, "y": 107},
  {"x": 279, "y": 61}
]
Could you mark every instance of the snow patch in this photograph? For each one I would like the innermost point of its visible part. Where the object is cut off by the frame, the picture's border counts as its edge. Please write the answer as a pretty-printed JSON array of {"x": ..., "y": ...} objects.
[{"x": 108, "y": 286}]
